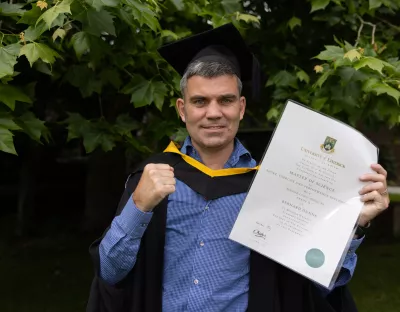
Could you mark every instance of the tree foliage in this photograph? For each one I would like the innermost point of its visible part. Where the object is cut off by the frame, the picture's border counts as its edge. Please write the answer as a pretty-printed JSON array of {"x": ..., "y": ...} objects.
[{"x": 90, "y": 68}]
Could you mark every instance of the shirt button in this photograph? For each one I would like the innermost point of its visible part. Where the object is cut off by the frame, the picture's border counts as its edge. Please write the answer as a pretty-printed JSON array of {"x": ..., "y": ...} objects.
[
  {"x": 196, "y": 281},
  {"x": 201, "y": 244},
  {"x": 143, "y": 224},
  {"x": 206, "y": 207}
]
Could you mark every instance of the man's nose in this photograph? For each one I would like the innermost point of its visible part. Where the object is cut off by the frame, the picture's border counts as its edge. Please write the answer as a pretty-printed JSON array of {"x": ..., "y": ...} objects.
[{"x": 213, "y": 110}]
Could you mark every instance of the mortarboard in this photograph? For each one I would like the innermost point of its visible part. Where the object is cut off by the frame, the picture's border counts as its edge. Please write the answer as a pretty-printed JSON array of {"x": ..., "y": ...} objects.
[{"x": 222, "y": 44}]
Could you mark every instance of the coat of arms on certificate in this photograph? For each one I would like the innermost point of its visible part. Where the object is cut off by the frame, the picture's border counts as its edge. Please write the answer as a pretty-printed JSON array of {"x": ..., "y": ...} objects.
[{"x": 329, "y": 144}]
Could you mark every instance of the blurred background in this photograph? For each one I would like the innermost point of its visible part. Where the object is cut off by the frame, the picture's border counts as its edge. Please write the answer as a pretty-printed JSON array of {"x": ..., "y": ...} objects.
[{"x": 84, "y": 96}]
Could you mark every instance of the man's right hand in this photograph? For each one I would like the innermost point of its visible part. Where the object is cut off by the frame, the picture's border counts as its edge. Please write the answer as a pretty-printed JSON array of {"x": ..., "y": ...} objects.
[{"x": 156, "y": 183}]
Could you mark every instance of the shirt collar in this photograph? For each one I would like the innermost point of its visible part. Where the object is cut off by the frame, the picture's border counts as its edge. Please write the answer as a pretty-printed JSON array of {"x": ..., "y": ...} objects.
[{"x": 239, "y": 152}]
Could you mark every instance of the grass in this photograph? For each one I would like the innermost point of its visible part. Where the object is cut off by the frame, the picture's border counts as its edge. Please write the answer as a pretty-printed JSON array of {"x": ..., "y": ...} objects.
[
  {"x": 46, "y": 275},
  {"x": 53, "y": 275},
  {"x": 376, "y": 282},
  {"x": 394, "y": 198}
]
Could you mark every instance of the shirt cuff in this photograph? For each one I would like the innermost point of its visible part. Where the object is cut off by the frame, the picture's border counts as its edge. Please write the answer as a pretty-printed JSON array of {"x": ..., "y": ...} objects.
[
  {"x": 355, "y": 243},
  {"x": 132, "y": 220}
]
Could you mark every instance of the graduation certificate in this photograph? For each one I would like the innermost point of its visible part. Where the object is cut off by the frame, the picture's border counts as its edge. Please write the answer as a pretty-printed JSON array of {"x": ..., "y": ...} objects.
[{"x": 303, "y": 205}]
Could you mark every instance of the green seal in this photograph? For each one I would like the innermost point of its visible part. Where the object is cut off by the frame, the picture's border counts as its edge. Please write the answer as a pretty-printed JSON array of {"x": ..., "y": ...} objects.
[{"x": 315, "y": 258}]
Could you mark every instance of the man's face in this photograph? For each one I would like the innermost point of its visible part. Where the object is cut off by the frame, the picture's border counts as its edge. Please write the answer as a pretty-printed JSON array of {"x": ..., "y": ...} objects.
[{"x": 212, "y": 109}]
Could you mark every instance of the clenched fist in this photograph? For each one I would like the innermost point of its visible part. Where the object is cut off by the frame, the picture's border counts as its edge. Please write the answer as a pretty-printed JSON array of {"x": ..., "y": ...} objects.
[{"x": 156, "y": 183}]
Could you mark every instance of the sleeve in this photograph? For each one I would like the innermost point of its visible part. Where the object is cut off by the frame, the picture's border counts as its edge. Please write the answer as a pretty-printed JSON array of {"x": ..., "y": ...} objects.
[
  {"x": 348, "y": 267},
  {"x": 105, "y": 297},
  {"x": 119, "y": 247}
]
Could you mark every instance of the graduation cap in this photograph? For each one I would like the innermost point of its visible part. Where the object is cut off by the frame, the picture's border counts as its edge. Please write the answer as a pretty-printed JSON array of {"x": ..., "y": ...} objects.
[{"x": 223, "y": 44}]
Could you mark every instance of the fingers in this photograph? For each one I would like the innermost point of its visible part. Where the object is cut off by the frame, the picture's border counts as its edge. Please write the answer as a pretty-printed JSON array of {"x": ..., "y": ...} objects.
[
  {"x": 376, "y": 186},
  {"x": 154, "y": 173},
  {"x": 372, "y": 196},
  {"x": 374, "y": 177},
  {"x": 379, "y": 169},
  {"x": 158, "y": 167}
]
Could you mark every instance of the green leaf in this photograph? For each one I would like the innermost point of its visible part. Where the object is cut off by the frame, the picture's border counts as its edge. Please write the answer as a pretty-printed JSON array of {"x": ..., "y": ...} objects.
[
  {"x": 77, "y": 125},
  {"x": 374, "y": 4},
  {"x": 231, "y": 6},
  {"x": 350, "y": 74},
  {"x": 293, "y": 22},
  {"x": 84, "y": 78},
  {"x": 97, "y": 22},
  {"x": 42, "y": 67},
  {"x": 373, "y": 85},
  {"x": 273, "y": 113},
  {"x": 302, "y": 76},
  {"x": 112, "y": 77},
  {"x": 144, "y": 15},
  {"x": 247, "y": 18},
  {"x": 283, "y": 79},
  {"x": 372, "y": 63},
  {"x": 59, "y": 33},
  {"x": 144, "y": 92},
  {"x": 11, "y": 9},
  {"x": 8, "y": 58},
  {"x": 179, "y": 4},
  {"x": 34, "y": 32},
  {"x": 32, "y": 126},
  {"x": 318, "y": 5},
  {"x": 6, "y": 141},
  {"x": 98, "y": 4},
  {"x": 318, "y": 103},
  {"x": 124, "y": 125},
  {"x": 10, "y": 94},
  {"x": 7, "y": 122},
  {"x": 33, "y": 51},
  {"x": 159, "y": 93},
  {"x": 321, "y": 80},
  {"x": 81, "y": 43},
  {"x": 95, "y": 137},
  {"x": 169, "y": 33},
  {"x": 331, "y": 53},
  {"x": 51, "y": 14},
  {"x": 352, "y": 55},
  {"x": 30, "y": 17},
  {"x": 180, "y": 135}
]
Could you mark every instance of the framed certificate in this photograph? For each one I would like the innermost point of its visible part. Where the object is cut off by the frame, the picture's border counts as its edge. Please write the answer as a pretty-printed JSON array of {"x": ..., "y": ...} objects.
[{"x": 303, "y": 205}]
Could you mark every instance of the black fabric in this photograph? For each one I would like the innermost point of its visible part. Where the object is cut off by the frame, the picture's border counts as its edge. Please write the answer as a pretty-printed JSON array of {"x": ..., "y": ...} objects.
[{"x": 272, "y": 288}]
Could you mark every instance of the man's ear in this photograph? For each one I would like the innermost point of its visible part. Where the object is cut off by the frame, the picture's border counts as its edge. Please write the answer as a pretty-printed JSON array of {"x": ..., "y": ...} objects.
[
  {"x": 180, "y": 106},
  {"x": 242, "y": 102}
]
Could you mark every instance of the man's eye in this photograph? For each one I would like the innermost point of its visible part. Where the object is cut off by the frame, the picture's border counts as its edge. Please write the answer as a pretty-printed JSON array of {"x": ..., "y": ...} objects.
[
  {"x": 199, "y": 102},
  {"x": 227, "y": 101}
]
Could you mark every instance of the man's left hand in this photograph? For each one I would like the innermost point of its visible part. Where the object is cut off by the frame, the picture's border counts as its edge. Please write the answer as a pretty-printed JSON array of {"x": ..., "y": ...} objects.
[{"x": 374, "y": 195}]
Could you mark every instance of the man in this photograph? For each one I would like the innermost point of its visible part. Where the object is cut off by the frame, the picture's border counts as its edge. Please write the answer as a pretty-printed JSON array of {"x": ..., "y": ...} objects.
[{"x": 168, "y": 248}]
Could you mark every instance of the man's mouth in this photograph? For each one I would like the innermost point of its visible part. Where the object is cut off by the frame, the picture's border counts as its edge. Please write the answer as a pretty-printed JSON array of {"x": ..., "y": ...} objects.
[{"x": 213, "y": 127}]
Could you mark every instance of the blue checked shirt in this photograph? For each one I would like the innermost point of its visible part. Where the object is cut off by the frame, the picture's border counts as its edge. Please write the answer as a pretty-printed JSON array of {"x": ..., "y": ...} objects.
[{"x": 203, "y": 269}]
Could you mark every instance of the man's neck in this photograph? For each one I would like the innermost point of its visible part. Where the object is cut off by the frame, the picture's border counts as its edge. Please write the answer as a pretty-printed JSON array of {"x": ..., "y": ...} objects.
[{"x": 215, "y": 158}]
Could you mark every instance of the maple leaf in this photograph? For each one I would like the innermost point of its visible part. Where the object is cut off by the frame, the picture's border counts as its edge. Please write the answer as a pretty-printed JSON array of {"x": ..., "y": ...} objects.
[
  {"x": 318, "y": 69},
  {"x": 42, "y": 4},
  {"x": 352, "y": 55}
]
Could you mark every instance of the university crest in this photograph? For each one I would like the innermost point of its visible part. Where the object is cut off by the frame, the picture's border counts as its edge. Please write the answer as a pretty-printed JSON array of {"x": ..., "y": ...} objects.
[{"x": 329, "y": 145}]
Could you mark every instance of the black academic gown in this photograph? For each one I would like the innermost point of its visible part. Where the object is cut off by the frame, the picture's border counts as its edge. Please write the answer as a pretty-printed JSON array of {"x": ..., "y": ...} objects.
[{"x": 272, "y": 288}]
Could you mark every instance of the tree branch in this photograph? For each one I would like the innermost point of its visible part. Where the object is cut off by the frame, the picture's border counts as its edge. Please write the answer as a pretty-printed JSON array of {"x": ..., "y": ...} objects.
[
  {"x": 361, "y": 28},
  {"x": 389, "y": 24}
]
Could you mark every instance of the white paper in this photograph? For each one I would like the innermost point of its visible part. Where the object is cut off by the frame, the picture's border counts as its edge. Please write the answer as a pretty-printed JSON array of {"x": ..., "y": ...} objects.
[{"x": 303, "y": 204}]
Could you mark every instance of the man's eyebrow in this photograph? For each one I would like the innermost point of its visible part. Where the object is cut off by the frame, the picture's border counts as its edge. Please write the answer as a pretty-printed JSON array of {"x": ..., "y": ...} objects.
[
  {"x": 197, "y": 97},
  {"x": 228, "y": 96}
]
